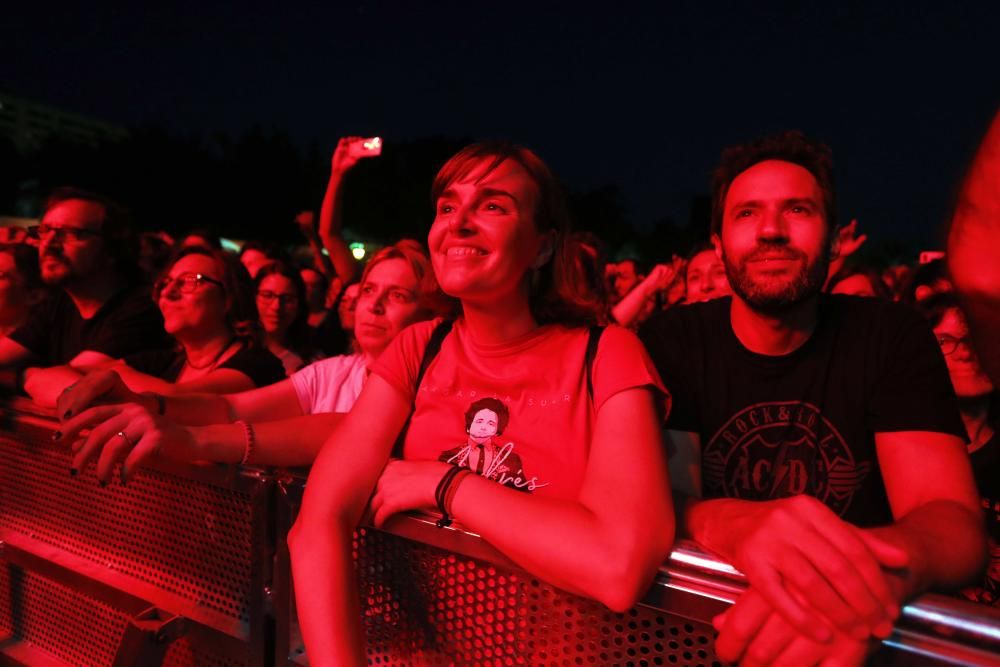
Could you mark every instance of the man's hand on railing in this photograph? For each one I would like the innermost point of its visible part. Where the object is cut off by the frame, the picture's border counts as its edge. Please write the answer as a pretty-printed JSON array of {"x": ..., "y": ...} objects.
[
  {"x": 752, "y": 633},
  {"x": 126, "y": 434}
]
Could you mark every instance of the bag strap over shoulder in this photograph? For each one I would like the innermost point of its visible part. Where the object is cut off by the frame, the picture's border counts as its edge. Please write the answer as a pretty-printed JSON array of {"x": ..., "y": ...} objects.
[
  {"x": 433, "y": 347},
  {"x": 593, "y": 339}
]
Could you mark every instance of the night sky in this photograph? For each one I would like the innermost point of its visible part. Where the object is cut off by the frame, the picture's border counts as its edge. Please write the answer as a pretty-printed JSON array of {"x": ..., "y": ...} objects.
[{"x": 642, "y": 98}]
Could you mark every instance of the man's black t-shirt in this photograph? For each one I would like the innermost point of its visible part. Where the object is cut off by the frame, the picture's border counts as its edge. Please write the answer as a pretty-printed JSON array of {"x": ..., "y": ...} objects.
[
  {"x": 777, "y": 426},
  {"x": 258, "y": 364},
  {"x": 986, "y": 468},
  {"x": 129, "y": 321}
]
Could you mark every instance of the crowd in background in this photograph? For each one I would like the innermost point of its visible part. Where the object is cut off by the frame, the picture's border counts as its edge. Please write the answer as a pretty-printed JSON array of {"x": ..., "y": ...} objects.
[{"x": 215, "y": 354}]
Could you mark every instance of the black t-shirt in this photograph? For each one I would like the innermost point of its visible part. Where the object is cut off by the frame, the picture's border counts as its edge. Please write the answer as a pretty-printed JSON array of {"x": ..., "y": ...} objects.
[
  {"x": 258, "y": 364},
  {"x": 128, "y": 322},
  {"x": 329, "y": 337},
  {"x": 986, "y": 468},
  {"x": 804, "y": 422}
]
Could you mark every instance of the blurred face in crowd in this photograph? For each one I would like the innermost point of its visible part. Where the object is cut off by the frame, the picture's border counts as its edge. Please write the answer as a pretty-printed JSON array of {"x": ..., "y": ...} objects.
[
  {"x": 484, "y": 240},
  {"x": 857, "y": 284},
  {"x": 254, "y": 260},
  {"x": 625, "y": 278},
  {"x": 73, "y": 250},
  {"x": 483, "y": 426},
  {"x": 14, "y": 294},
  {"x": 315, "y": 289},
  {"x": 388, "y": 302},
  {"x": 967, "y": 375},
  {"x": 706, "y": 277},
  {"x": 193, "y": 308},
  {"x": 346, "y": 307},
  {"x": 774, "y": 239},
  {"x": 277, "y": 304}
]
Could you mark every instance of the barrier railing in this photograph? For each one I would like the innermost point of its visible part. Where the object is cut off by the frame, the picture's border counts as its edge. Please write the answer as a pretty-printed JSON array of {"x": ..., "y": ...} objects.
[{"x": 188, "y": 565}]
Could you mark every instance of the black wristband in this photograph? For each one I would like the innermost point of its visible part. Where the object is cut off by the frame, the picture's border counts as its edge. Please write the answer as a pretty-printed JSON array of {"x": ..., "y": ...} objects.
[{"x": 441, "y": 492}]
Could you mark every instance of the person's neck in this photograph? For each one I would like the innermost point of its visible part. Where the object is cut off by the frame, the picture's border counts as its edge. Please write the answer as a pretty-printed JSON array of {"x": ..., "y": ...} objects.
[
  {"x": 975, "y": 412},
  {"x": 206, "y": 349},
  {"x": 498, "y": 321},
  {"x": 774, "y": 334},
  {"x": 276, "y": 343},
  {"x": 90, "y": 293}
]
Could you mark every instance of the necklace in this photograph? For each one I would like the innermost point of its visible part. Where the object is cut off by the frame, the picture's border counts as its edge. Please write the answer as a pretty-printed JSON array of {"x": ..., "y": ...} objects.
[{"x": 215, "y": 359}]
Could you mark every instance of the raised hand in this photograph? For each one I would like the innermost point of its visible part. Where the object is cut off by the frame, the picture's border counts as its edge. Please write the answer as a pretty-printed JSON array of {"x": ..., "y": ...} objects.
[
  {"x": 349, "y": 150},
  {"x": 848, "y": 239}
]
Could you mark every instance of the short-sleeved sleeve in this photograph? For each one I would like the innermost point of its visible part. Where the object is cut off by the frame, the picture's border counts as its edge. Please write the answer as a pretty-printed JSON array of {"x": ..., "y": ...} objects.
[
  {"x": 400, "y": 362},
  {"x": 913, "y": 391},
  {"x": 330, "y": 385},
  {"x": 262, "y": 367},
  {"x": 622, "y": 363},
  {"x": 34, "y": 333},
  {"x": 665, "y": 338}
]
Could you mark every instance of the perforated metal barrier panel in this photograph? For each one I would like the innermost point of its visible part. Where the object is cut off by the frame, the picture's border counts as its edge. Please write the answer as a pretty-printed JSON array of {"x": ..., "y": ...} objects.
[
  {"x": 188, "y": 565},
  {"x": 440, "y": 608}
]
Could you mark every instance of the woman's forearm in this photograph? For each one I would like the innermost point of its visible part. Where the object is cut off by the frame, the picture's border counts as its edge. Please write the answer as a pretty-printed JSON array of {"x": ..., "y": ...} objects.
[
  {"x": 286, "y": 442},
  {"x": 326, "y": 594},
  {"x": 566, "y": 543}
]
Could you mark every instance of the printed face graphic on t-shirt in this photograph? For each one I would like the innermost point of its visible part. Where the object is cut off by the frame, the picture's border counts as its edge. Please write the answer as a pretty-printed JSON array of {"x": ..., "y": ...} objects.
[
  {"x": 485, "y": 451},
  {"x": 484, "y": 425}
]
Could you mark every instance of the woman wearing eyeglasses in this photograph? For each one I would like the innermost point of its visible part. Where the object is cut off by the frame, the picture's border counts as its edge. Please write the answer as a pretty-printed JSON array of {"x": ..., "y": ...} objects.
[
  {"x": 281, "y": 304},
  {"x": 205, "y": 298}
]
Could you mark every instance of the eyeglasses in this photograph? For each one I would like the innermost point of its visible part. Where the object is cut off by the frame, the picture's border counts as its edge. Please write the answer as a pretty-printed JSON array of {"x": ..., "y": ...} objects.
[
  {"x": 283, "y": 299},
  {"x": 949, "y": 344},
  {"x": 186, "y": 283},
  {"x": 64, "y": 233}
]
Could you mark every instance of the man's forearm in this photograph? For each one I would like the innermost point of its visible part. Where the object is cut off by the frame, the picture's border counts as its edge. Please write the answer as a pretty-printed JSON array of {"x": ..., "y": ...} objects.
[{"x": 946, "y": 546}]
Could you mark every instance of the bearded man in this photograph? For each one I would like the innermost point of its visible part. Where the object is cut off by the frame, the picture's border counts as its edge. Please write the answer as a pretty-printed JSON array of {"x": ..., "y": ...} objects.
[
  {"x": 100, "y": 311},
  {"x": 824, "y": 447}
]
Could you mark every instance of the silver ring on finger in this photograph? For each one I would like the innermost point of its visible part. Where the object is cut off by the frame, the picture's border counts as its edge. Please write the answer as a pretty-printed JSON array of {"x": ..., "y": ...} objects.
[{"x": 128, "y": 440}]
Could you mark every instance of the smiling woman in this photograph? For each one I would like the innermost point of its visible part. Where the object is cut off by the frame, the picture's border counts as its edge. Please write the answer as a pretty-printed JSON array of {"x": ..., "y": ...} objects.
[{"x": 555, "y": 421}]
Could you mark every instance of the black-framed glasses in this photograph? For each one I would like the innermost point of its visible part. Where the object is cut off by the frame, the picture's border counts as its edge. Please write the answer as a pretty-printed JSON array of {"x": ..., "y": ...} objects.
[
  {"x": 949, "y": 344},
  {"x": 186, "y": 283},
  {"x": 283, "y": 299},
  {"x": 62, "y": 233}
]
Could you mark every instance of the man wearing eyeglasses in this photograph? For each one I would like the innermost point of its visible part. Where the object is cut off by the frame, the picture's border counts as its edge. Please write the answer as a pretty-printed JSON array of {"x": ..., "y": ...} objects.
[{"x": 86, "y": 249}]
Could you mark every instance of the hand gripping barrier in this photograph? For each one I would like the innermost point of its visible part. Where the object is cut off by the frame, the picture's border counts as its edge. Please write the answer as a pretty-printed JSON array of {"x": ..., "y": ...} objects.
[{"x": 187, "y": 565}]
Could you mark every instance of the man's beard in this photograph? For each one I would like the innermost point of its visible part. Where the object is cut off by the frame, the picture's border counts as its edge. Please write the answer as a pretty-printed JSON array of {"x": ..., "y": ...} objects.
[
  {"x": 64, "y": 274},
  {"x": 778, "y": 294}
]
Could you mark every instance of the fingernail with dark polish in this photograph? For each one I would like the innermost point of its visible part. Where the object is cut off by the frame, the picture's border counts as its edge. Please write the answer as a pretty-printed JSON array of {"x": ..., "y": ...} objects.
[
  {"x": 56, "y": 435},
  {"x": 67, "y": 414},
  {"x": 73, "y": 472},
  {"x": 102, "y": 483}
]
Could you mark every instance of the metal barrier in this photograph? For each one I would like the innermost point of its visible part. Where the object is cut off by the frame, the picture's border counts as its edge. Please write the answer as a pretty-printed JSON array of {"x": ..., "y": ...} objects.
[{"x": 188, "y": 565}]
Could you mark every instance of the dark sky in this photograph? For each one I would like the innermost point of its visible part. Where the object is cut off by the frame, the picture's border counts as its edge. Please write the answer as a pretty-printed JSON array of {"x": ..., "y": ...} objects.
[{"x": 644, "y": 98}]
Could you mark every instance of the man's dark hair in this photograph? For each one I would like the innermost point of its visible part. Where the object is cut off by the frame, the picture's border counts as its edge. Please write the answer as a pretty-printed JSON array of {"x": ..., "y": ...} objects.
[
  {"x": 494, "y": 405},
  {"x": 117, "y": 229},
  {"x": 792, "y": 146}
]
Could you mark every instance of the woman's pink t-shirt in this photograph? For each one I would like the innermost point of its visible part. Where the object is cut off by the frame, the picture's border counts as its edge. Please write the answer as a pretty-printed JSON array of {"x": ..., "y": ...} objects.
[{"x": 541, "y": 445}]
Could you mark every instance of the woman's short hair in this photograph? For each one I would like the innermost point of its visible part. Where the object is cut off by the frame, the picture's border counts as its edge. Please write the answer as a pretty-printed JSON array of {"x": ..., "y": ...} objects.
[
  {"x": 560, "y": 290},
  {"x": 298, "y": 333},
  {"x": 241, "y": 315},
  {"x": 431, "y": 300}
]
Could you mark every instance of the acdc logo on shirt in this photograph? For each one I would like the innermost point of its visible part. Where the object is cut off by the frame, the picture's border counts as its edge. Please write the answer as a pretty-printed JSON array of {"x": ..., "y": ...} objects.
[{"x": 775, "y": 450}]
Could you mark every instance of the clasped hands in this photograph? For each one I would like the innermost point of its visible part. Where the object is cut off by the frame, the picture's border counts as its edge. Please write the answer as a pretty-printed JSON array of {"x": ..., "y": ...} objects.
[{"x": 819, "y": 588}]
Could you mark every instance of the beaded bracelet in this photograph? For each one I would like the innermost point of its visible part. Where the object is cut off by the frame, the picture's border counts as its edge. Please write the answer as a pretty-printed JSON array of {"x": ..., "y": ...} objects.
[{"x": 250, "y": 441}]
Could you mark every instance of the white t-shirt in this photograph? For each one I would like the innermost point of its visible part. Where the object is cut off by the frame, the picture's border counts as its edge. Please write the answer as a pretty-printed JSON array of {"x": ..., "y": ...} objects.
[{"x": 330, "y": 385}]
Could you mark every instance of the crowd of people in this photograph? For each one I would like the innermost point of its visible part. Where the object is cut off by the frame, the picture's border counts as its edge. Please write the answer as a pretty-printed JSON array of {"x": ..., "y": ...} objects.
[{"x": 823, "y": 425}]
